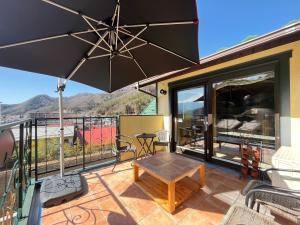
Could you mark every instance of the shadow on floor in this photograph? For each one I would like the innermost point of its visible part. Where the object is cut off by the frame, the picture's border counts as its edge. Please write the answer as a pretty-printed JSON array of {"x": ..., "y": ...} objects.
[{"x": 113, "y": 198}]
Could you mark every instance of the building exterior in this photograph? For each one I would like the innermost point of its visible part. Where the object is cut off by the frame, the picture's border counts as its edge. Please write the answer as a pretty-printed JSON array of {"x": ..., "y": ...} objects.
[
  {"x": 150, "y": 109},
  {"x": 245, "y": 94}
]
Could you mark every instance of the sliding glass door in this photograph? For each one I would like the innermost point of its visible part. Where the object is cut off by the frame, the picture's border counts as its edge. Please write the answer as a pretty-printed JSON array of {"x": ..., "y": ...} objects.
[
  {"x": 243, "y": 111},
  {"x": 190, "y": 119},
  {"x": 217, "y": 116}
]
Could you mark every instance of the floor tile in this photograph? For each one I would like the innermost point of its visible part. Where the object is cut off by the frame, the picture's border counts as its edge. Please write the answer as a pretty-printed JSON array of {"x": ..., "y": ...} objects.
[
  {"x": 112, "y": 197},
  {"x": 157, "y": 217}
]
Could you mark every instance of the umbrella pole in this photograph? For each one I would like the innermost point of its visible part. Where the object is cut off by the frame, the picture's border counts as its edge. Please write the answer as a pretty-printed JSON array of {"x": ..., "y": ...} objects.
[{"x": 60, "y": 89}]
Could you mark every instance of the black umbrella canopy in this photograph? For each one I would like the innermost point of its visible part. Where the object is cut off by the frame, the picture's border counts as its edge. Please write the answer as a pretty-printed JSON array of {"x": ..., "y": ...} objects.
[{"x": 102, "y": 43}]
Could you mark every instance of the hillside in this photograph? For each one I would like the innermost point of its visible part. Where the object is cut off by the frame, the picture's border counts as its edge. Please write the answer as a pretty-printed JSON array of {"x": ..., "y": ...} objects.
[{"x": 124, "y": 101}]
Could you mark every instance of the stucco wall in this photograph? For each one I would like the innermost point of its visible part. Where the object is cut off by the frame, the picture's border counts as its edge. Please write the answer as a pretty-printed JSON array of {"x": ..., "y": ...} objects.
[
  {"x": 133, "y": 125},
  {"x": 163, "y": 100}
]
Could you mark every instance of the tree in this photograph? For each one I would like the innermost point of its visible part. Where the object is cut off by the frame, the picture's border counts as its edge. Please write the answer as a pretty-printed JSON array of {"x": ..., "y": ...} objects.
[
  {"x": 91, "y": 104},
  {"x": 129, "y": 109},
  {"x": 292, "y": 22},
  {"x": 249, "y": 38}
]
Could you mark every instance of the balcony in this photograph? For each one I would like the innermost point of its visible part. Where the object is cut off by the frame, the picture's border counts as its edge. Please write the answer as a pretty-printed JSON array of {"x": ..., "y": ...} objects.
[
  {"x": 110, "y": 197},
  {"x": 114, "y": 198}
]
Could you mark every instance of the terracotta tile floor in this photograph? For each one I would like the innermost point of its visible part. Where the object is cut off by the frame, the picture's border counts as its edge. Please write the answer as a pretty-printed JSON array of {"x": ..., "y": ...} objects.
[{"x": 113, "y": 198}]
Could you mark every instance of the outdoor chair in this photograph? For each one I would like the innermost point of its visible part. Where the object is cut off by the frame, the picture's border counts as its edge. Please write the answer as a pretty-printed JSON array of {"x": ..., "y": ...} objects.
[
  {"x": 123, "y": 144},
  {"x": 265, "y": 179},
  {"x": 243, "y": 215},
  {"x": 163, "y": 140},
  {"x": 283, "y": 201}
]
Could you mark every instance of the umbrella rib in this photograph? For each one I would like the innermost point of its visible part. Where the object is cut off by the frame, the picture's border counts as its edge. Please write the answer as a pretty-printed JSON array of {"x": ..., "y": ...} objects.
[
  {"x": 160, "y": 47},
  {"x": 173, "y": 53},
  {"x": 33, "y": 41},
  {"x": 44, "y": 39},
  {"x": 87, "y": 18},
  {"x": 118, "y": 20},
  {"x": 110, "y": 71},
  {"x": 125, "y": 56},
  {"x": 74, "y": 12},
  {"x": 134, "y": 59},
  {"x": 134, "y": 47},
  {"x": 139, "y": 66},
  {"x": 83, "y": 60},
  {"x": 134, "y": 37},
  {"x": 98, "y": 56},
  {"x": 115, "y": 14},
  {"x": 160, "y": 24},
  {"x": 61, "y": 7},
  {"x": 91, "y": 43},
  {"x": 100, "y": 36},
  {"x": 97, "y": 44}
]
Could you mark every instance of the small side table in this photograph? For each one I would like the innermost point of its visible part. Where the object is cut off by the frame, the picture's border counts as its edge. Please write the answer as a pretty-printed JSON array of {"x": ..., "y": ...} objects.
[{"x": 145, "y": 140}]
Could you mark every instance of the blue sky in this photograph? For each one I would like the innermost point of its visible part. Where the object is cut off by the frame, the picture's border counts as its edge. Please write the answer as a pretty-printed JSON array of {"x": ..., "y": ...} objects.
[{"x": 223, "y": 23}]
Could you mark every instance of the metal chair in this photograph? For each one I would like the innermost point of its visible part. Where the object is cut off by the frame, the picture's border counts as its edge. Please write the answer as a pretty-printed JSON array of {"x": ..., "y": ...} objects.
[
  {"x": 285, "y": 202},
  {"x": 123, "y": 144},
  {"x": 238, "y": 214},
  {"x": 163, "y": 140}
]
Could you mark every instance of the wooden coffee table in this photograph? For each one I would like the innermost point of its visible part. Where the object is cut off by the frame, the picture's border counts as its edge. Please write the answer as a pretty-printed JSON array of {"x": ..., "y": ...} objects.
[{"x": 166, "y": 169}]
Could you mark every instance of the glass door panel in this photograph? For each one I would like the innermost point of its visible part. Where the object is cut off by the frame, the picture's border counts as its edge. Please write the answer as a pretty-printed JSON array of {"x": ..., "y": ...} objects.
[
  {"x": 243, "y": 110},
  {"x": 190, "y": 121}
]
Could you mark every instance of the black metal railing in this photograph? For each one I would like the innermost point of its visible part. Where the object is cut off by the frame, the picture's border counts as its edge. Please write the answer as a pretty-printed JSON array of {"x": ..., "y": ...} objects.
[
  {"x": 88, "y": 141},
  {"x": 15, "y": 168}
]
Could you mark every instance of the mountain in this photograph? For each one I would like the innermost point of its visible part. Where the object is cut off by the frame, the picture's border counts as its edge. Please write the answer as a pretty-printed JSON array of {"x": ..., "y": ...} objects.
[
  {"x": 125, "y": 101},
  {"x": 36, "y": 103}
]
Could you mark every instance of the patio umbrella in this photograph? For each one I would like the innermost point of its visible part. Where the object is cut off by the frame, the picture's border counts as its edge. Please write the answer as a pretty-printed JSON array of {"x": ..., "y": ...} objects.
[{"x": 104, "y": 44}]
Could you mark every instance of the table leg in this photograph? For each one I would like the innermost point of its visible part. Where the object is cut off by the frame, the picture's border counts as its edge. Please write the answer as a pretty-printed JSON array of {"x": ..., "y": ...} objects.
[
  {"x": 148, "y": 145},
  {"x": 171, "y": 196},
  {"x": 142, "y": 148},
  {"x": 145, "y": 147},
  {"x": 136, "y": 172},
  {"x": 151, "y": 143},
  {"x": 139, "y": 153},
  {"x": 202, "y": 175}
]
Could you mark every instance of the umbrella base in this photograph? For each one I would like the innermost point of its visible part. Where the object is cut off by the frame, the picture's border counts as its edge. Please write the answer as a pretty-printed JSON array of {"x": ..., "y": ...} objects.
[{"x": 56, "y": 190}]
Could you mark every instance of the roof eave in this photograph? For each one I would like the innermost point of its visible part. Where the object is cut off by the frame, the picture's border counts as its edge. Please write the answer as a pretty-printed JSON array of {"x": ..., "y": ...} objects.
[{"x": 276, "y": 38}]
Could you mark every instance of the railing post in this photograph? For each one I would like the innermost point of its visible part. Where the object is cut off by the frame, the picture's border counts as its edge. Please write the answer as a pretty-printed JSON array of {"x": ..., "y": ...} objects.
[
  {"x": 90, "y": 144},
  {"x": 83, "y": 142},
  {"x": 111, "y": 142},
  {"x": 35, "y": 150},
  {"x": 101, "y": 134},
  {"x": 118, "y": 121},
  {"x": 30, "y": 149},
  {"x": 21, "y": 159}
]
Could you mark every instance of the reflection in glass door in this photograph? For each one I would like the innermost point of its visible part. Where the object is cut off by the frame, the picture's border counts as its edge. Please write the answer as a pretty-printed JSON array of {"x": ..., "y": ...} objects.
[
  {"x": 243, "y": 110},
  {"x": 190, "y": 119}
]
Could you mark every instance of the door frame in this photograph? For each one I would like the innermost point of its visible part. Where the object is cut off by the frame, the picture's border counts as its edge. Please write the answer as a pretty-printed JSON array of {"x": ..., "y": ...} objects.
[
  {"x": 174, "y": 110},
  {"x": 278, "y": 62}
]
